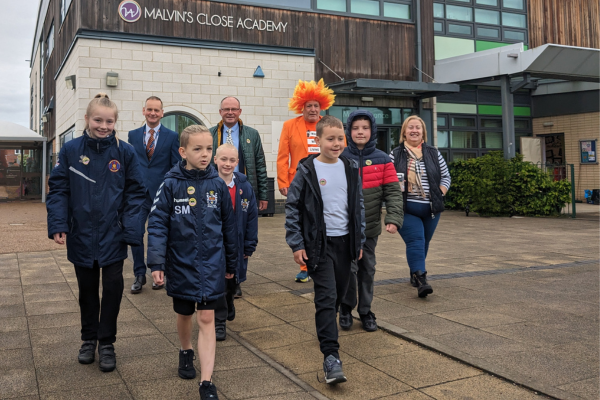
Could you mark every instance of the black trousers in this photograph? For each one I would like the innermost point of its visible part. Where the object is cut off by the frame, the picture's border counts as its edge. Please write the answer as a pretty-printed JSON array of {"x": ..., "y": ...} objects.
[
  {"x": 225, "y": 303},
  {"x": 99, "y": 320},
  {"x": 363, "y": 271},
  {"x": 330, "y": 279}
]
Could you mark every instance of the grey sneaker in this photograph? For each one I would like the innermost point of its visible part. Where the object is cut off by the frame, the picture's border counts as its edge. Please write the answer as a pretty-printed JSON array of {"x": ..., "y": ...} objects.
[
  {"x": 333, "y": 371},
  {"x": 87, "y": 352}
]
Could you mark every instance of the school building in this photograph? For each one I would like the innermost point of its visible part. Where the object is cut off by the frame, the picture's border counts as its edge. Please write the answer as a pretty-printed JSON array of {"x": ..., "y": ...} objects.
[{"x": 380, "y": 55}]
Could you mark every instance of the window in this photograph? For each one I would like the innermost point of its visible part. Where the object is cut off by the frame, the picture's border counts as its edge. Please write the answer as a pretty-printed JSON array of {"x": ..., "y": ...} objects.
[
  {"x": 67, "y": 136},
  {"x": 438, "y": 26},
  {"x": 442, "y": 121},
  {"x": 459, "y": 29},
  {"x": 491, "y": 123},
  {"x": 50, "y": 42},
  {"x": 332, "y": 5},
  {"x": 514, "y": 35},
  {"x": 178, "y": 121},
  {"x": 514, "y": 20},
  {"x": 487, "y": 17},
  {"x": 395, "y": 10},
  {"x": 517, "y": 4},
  {"x": 442, "y": 139},
  {"x": 438, "y": 10},
  {"x": 463, "y": 140},
  {"x": 521, "y": 124},
  {"x": 64, "y": 8},
  {"x": 366, "y": 7},
  {"x": 487, "y": 2},
  {"x": 459, "y": 13},
  {"x": 491, "y": 140},
  {"x": 463, "y": 122},
  {"x": 488, "y": 32}
]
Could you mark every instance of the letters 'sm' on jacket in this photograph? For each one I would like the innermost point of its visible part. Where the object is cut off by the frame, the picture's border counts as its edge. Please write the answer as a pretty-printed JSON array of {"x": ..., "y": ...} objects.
[
  {"x": 379, "y": 179},
  {"x": 246, "y": 215},
  {"x": 192, "y": 233},
  {"x": 304, "y": 221},
  {"x": 96, "y": 196}
]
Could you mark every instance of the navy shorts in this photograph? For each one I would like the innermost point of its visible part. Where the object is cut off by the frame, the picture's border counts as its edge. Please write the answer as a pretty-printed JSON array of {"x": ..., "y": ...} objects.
[{"x": 186, "y": 307}]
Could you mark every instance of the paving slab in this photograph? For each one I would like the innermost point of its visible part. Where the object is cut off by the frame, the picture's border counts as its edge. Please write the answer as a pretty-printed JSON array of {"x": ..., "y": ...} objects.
[{"x": 482, "y": 387}]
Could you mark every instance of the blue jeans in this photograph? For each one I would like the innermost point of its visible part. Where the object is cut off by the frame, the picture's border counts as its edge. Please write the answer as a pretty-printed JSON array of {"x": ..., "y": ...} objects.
[{"x": 417, "y": 231}]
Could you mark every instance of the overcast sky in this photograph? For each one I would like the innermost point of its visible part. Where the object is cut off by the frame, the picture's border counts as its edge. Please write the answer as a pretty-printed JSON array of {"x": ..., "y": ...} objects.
[{"x": 17, "y": 27}]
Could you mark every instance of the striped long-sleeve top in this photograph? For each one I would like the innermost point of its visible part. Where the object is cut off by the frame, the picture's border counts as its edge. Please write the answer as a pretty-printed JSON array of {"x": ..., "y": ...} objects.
[{"x": 445, "y": 180}]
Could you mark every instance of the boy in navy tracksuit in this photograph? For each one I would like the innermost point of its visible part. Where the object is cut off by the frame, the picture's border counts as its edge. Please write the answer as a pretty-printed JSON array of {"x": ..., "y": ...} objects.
[
  {"x": 96, "y": 194},
  {"x": 325, "y": 225},
  {"x": 192, "y": 238},
  {"x": 246, "y": 214}
]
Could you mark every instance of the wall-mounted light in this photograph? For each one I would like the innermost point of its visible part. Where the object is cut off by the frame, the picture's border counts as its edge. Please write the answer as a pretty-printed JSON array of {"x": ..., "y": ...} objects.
[
  {"x": 548, "y": 124},
  {"x": 368, "y": 99},
  {"x": 71, "y": 82},
  {"x": 45, "y": 117},
  {"x": 112, "y": 79}
]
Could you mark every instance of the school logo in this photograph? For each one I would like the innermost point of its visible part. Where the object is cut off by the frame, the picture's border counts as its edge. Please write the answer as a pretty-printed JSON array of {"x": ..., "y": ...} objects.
[
  {"x": 114, "y": 165},
  {"x": 191, "y": 190},
  {"x": 245, "y": 204},
  {"x": 211, "y": 199},
  {"x": 247, "y": 140},
  {"x": 130, "y": 11},
  {"x": 368, "y": 162},
  {"x": 322, "y": 182},
  {"x": 192, "y": 202},
  {"x": 84, "y": 159}
]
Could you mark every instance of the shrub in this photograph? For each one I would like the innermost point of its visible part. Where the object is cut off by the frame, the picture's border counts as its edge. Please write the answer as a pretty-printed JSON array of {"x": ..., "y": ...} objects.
[{"x": 493, "y": 186}]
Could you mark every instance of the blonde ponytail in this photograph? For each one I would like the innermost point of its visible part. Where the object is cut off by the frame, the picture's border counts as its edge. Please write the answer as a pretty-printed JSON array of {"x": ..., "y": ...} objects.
[{"x": 102, "y": 99}]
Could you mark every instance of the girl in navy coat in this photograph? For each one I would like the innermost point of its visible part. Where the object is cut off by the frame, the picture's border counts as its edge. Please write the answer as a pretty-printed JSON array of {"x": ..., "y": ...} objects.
[
  {"x": 96, "y": 194},
  {"x": 192, "y": 238},
  {"x": 246, "y": 215}
]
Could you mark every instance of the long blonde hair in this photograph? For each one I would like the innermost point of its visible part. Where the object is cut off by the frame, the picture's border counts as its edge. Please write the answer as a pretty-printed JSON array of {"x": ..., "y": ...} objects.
[
  {"x": 102, "y": 99},
  {"x": 405, "y": 127}
]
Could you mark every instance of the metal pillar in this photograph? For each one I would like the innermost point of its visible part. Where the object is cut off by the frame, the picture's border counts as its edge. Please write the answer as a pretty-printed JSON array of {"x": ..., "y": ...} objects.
[
  {"x": 44, "y": 161},
  {"x": 508, "y": 118}
]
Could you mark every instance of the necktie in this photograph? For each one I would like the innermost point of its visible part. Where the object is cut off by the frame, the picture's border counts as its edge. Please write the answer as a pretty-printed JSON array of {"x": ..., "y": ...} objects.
[
  {"x": 229, "y": 138},
  {"x": 150, "y": 145}
]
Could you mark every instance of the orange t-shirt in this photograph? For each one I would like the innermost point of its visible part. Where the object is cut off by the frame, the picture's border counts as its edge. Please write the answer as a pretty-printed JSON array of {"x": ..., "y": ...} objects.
[{"x": 311, "y": 134}]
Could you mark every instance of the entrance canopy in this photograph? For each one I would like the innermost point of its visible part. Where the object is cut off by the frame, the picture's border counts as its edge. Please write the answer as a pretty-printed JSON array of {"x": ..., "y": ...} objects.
[
  {"x": 14, "y": 171},
  {"x": 383, "y": 87},
  {"x": 550, "y": 61}
]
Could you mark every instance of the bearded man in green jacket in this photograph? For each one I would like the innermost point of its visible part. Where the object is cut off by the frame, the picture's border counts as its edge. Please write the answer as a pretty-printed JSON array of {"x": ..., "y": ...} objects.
[{"x": 252, "y": 163}]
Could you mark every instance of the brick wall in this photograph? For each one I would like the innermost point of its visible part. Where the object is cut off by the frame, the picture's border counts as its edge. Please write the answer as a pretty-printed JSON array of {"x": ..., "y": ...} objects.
[
  {"x": 575, "y": 128},
  {"x": 186, "y": 79}
]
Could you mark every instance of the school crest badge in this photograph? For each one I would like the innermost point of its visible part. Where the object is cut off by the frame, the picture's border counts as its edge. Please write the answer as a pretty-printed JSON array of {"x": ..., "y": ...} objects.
[
  {"x": 192, "y": 202},
  {"x": 191, "y": 190},
  {"x": 114, "y": 165},
  {"x": 84, "y": 160},
  {"x": 211, "y": 199},
  {"x": 245, "y": 204}
]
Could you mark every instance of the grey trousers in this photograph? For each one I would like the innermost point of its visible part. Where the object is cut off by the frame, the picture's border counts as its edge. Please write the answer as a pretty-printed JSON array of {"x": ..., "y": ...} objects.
[{"x": 364, "y": 272}]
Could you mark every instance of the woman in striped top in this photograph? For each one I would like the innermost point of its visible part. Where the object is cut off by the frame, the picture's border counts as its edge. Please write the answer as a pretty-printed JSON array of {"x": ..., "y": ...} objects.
[{"x": 424, "y": 181}]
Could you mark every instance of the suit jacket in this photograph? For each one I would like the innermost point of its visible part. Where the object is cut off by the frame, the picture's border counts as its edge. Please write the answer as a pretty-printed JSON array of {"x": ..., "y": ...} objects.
[{"x": 166, "y": 155}]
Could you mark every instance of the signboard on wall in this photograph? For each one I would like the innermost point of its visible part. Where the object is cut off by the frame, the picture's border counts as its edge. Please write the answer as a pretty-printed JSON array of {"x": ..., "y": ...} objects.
[{"x": 588, "y": 151}]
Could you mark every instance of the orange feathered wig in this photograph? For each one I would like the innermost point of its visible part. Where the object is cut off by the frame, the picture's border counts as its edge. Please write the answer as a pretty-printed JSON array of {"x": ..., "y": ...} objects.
[{"x": 307, "y": 91}]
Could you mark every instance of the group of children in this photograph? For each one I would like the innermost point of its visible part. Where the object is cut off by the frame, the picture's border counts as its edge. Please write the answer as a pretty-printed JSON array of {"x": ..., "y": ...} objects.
[{"x": 203, "y": 227}]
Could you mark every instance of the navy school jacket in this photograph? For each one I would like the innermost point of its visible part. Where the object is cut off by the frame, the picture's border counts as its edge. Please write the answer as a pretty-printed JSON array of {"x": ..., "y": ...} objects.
[
  {"x": 246, "y": 215},
  {"x": 192, "y": 233},
  {"x": 96, "y": 195}
]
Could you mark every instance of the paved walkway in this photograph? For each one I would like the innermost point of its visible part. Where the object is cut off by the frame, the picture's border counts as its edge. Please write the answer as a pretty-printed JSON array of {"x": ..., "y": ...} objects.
[{"x": 536, "y": 326}]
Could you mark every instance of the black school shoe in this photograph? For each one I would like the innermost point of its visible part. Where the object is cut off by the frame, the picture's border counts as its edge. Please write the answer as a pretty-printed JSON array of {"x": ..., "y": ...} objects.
[
  {"x": 423, "y": 288},
  {"x": 238, "y": 292},
  {"x": 368, "y": 322},
  {"x": 87, "y": 352},
  {"x": 346, "y": 320},
  {"x": 208, "y": 391},
  {"x": 108, "y": 360},
  {"x": 220, "y": 333},
  {"x": 333, "y": 371},
  {"x": 186, "y": 368},
  {"x": 139, "y": 281}
]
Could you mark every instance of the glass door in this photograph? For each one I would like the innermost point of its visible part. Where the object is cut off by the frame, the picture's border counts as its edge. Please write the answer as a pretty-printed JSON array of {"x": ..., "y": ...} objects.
[
  {"x": 10, "y": 173},
  {"x": 31, "y": 173}
]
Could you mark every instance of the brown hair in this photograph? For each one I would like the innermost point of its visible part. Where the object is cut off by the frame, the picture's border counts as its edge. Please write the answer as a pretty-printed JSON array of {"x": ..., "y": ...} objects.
[
  {"x": 101, "y": 99},
  {"x": 328, "y": 121},
  {"x": 154, "y": 98},
  {"x": 405, "y": 127},
  {"x": 184, "y": 139}
]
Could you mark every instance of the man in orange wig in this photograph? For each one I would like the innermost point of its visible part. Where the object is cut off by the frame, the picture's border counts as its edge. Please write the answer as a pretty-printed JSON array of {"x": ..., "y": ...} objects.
[{"x": 298, "y": 136}]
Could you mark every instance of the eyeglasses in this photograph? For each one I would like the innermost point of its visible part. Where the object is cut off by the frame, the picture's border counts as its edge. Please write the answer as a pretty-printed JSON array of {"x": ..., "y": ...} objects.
[{"x": 228, "y": 110}]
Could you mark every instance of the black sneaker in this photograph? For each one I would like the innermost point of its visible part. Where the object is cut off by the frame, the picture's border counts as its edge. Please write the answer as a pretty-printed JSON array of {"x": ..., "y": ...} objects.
[
  {"x": 186, "y": 364},
  {"x": 108, "y": 360},
  {"x": 333, "y": 371},
  {"x": 368, "y": 322},
  {"x": 220, "y": 332},
  {"x": 345, "y": 318},
  {"x": 413, "y": 283},
  {"x": 238, "y": 292},
  {"x": 87, "y": 352},
  {"x": 208, "y": 391},
  {"x": 423, "y": 288}
]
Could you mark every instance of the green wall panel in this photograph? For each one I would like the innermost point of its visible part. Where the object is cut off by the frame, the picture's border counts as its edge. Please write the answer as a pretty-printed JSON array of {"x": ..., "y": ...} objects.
[
  {"x": 497, "y": 110},
  {"x": 481, "y": 45},
  {"x": 456, "y": 108},
  {"x": 446, "y": 47}
]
